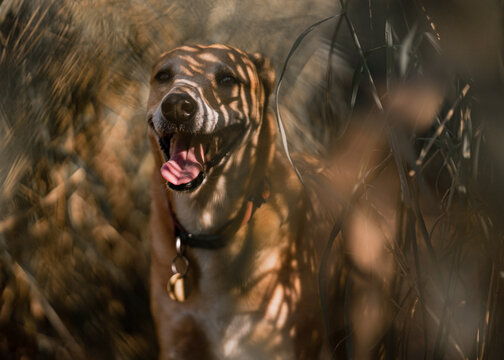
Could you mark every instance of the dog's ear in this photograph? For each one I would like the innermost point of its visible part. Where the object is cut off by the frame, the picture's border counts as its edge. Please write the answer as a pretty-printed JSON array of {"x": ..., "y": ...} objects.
[{"x": 265, "y": 71}]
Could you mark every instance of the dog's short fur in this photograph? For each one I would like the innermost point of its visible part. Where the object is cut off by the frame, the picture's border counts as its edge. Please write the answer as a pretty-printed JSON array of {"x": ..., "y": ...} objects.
[{"x": 257, "y": 297}]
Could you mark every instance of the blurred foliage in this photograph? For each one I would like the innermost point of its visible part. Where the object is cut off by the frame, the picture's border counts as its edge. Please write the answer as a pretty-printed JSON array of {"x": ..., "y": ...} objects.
[{"x": 75, "y": 164}]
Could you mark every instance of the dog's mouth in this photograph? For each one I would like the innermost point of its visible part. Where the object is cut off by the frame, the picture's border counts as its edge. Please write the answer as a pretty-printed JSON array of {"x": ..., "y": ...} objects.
[{"x": 189, "y": 157}]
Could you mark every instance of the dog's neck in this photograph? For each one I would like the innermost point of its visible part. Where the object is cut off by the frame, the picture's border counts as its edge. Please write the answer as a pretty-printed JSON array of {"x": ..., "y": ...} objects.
[{"x": 226, "y": 191}]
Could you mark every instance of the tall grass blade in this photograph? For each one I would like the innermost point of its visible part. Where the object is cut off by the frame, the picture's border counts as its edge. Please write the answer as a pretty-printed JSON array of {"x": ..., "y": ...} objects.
[{"x": 281, "y": 127}]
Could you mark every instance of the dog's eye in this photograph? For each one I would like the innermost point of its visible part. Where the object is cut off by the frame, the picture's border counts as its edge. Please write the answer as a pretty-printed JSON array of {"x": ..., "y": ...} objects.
[
  {"x": 163, "y": 76},
  {"x": 227, "y": 80}
]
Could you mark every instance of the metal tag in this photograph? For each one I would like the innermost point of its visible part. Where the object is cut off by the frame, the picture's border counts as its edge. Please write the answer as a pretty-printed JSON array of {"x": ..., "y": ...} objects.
[{"x": 178, "y": 288}]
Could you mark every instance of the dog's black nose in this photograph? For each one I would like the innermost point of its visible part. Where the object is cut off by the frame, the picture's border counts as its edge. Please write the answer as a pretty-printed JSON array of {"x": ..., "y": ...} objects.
[{"x": 178, "y": 107}]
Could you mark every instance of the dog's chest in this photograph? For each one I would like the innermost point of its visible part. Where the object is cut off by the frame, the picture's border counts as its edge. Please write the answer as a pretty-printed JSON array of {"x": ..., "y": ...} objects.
[
  {"x": 246, "y": 316},
  {"x": 247, "y": 293}
]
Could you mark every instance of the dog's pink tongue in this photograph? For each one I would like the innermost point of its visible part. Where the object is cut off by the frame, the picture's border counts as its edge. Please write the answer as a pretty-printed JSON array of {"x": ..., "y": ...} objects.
[{"x": 186, "y": 162}]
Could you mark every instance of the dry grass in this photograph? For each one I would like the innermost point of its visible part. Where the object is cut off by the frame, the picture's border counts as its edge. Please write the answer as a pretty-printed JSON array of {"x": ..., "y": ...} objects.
[{"x": 75, "y": 165}]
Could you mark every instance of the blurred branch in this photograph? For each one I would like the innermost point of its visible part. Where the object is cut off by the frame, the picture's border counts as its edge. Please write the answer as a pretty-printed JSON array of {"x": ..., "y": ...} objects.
[
  {"x": 456, "y": 346},
  {"x": 440, "y": 129},
  {"x": 50, "y": 199},
  {"x": 489, "y": 309},
  {"x": 6, "y": 6},
  {"x": 49, "y": 311}
]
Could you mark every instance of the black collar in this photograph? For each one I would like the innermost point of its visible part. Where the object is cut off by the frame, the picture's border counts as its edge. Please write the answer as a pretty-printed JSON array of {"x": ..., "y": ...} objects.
[{"x": 221, "y": 238}]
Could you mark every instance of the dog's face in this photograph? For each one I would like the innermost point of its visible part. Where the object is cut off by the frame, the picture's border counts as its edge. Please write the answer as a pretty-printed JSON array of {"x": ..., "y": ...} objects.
[{"x": 204, "y": 102}]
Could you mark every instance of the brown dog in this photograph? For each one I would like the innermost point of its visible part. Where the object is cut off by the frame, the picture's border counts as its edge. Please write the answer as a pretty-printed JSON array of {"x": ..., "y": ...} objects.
[{"x": 233, "y": 258}]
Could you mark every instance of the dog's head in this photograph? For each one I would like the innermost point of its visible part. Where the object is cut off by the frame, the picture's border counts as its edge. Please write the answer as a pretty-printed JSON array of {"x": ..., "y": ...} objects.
[{"x": 204, "y": 102}]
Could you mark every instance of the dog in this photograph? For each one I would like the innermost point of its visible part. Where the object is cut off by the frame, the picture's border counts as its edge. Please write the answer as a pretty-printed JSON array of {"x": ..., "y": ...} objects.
[{"x": 234, "y": 257}]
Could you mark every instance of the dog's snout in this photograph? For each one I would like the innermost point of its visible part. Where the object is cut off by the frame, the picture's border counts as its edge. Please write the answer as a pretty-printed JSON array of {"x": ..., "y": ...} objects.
[{"x": 179, "y": 107}]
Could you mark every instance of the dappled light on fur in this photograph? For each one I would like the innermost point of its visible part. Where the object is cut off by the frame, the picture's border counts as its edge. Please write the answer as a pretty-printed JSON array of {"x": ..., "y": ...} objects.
[{"x": 392, "y": 113}]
